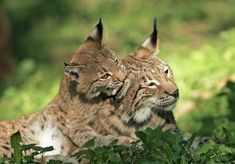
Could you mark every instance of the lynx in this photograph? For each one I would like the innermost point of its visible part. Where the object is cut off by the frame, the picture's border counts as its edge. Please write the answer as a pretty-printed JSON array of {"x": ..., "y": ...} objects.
[
  {"x": 93, "y": 74},
  {"x": 149, "y": 100}
]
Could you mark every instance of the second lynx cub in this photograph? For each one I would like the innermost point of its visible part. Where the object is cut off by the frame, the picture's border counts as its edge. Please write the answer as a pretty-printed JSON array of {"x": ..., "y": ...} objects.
[{"x": 93, "y": 74}]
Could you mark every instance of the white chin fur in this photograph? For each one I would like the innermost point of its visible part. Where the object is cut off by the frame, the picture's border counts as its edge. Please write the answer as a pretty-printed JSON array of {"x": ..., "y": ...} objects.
[{"x": 142, "y": 114}]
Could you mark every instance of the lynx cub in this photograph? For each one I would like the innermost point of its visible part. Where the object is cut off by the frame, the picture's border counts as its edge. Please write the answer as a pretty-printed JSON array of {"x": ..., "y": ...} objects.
[
  {"x": 93, "y": 74},
  {"x": 149, "y": 100}
]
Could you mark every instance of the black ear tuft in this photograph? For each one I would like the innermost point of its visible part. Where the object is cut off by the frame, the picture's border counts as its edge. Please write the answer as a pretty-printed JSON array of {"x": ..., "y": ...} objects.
[
  {"x": 150, "y": 45},
  {"x": 97, "y": 32},
  {"x": 154, "y": 34},
  {"x": 151, "y": 42},
  {"x": 99, "y": 26}
]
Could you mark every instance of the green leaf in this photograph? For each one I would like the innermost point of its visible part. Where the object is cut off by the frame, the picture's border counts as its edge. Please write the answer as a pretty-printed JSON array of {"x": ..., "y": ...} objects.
[
  {"x": 27, "y": 147},
  {"x": 37, "y": 148},
  {"x": 114, "y": 142},
  {"x": 119, "y": 147},
  {"x": 54, "y": 162},
  {"x": 15, "y": 144},
  {"x": 28, "y": 158},
  {"x": 89, "y": 143},
  {"x": 46, "y": 149},
  {"x": 141, "y": 135},
  {"x": 205, "y": 148},
  {"x": 80, "y": 153}
]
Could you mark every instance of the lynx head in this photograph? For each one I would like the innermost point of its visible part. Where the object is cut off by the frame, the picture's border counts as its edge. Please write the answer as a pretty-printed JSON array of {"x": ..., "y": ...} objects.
[
  {"x": 152, "y": 87},
  {"x": 94, "y": 70}
]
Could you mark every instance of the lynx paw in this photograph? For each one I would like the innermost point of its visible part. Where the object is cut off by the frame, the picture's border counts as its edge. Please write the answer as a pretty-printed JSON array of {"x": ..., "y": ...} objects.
[{"x": 125, "y": 140}]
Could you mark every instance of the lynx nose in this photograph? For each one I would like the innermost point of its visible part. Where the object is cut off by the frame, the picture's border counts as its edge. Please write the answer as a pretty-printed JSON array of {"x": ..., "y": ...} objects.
[{"x": 175, "y": 94}]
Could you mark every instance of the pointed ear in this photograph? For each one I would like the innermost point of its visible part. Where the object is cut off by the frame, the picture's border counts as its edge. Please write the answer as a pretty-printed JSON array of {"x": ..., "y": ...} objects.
[
  {"x": 96, "y": 34},
  {"x": 149, "y": 47},
  {"x": 72, "y": 72}
]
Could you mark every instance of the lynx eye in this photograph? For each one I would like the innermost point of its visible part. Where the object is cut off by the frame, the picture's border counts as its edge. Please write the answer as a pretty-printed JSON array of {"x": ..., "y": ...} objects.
[
  {"x": 167, "y": 71},
  {"x": 106, "y": 75},
  {"x": 152, "y": 84}
]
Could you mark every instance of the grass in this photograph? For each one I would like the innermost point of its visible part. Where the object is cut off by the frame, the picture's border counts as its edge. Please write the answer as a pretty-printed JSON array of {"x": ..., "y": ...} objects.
[{"x": 153, "y": 146}]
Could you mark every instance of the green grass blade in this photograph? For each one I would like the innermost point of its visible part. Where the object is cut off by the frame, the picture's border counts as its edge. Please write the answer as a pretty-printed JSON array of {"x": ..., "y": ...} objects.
[{"x": 15, "y": 144}]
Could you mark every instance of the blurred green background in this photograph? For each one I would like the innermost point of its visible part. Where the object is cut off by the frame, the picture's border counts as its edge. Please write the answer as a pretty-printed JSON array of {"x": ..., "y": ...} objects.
[{"x": 197, "y": 41}]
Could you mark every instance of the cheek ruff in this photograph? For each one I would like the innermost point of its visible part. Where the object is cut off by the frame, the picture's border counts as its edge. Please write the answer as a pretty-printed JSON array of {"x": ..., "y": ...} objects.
[{"x": 142, "y": 115}]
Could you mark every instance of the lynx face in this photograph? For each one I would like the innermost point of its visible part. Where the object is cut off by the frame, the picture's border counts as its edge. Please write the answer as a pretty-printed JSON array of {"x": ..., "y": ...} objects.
[
  {"x": 159, "y": 88},
  {"x": 95, "y": 70},
  {"x": 152, "y": 90}
]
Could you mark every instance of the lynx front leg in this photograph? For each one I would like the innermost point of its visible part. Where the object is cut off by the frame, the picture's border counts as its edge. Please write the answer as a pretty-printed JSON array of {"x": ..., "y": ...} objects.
[{"x": 84, "y": 133}]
